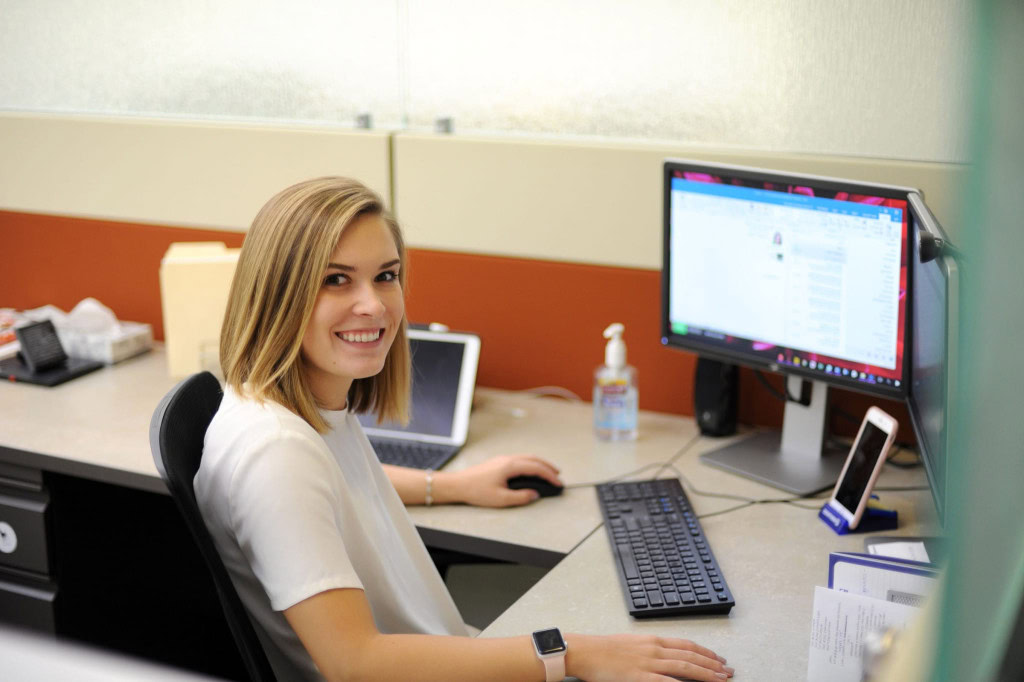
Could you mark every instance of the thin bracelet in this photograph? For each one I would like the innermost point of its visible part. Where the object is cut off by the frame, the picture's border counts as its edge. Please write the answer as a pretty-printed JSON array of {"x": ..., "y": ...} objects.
[{"x": 430, "y": 488}]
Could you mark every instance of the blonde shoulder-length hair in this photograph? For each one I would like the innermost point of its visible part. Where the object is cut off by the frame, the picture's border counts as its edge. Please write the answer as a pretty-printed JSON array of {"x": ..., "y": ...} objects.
[{"x": 280, "y": 271}]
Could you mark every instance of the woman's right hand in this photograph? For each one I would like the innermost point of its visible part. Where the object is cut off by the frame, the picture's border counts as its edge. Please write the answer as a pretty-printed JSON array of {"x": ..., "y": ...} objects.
[{"x": 641, "y": 658}]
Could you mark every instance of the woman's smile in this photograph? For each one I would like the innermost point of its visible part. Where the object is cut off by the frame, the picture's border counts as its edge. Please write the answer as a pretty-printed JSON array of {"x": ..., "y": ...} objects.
[{"x": 362, "y": 337}]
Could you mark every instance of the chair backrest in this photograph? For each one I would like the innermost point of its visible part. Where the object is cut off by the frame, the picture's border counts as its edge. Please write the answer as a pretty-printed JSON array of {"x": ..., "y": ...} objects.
[{"x": 176, "y": 435}]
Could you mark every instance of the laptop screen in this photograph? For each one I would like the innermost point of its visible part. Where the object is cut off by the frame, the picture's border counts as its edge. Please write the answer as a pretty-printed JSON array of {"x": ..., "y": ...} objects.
[{"x": 442, "y": 366}]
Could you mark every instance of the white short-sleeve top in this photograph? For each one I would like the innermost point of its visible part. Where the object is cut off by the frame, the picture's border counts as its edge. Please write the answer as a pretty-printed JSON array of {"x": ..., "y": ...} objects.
[{"x": 294, "y": 513}]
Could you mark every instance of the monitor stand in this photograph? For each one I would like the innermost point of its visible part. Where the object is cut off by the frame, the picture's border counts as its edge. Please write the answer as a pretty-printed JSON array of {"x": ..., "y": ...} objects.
[{"x": 798, "y": 461}]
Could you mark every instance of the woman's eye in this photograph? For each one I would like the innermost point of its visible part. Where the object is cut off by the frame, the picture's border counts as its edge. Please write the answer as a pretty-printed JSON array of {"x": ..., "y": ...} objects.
[
  {"x": 335, "y": 279},
  {"x": 388, "y": 276}
]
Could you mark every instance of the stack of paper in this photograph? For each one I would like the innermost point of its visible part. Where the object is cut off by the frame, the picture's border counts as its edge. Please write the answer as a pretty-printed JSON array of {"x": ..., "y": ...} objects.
[{"x": 866, "y": 595}]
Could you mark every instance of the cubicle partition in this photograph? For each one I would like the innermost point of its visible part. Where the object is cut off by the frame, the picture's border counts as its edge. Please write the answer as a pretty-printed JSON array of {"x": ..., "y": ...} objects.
[{"x": 535, "y": 244}]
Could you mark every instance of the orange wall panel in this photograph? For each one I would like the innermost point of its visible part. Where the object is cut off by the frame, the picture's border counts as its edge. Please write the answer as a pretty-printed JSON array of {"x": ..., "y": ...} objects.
[
  {"x": 60, "y": 260},
  {"x": 540, "y": 322}
]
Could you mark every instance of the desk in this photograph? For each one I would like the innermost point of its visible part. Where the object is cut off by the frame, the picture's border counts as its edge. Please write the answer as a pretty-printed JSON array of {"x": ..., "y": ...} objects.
[
  {"x": 771, "y": 555},
  {"x": 96, "y": 428},
  {"x": 87, "y": 442}
]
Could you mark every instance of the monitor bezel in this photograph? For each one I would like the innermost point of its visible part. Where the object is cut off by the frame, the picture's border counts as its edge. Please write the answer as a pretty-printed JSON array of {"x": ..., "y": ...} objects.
[
  {"x": 947, "y": 264},
  {"x": 692, "y": 344}
]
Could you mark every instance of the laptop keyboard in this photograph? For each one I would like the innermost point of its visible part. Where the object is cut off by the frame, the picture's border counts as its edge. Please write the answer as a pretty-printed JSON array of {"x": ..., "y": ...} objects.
[{"x": 413, "y": 454}]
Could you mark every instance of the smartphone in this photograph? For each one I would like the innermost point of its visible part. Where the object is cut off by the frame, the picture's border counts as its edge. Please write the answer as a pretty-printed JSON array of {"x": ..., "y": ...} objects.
[{"x": 864, "y": 463}]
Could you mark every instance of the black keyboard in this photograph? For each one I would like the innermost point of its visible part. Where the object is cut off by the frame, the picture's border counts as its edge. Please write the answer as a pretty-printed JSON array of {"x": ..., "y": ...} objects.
[
  {"x": 417, "y": 455},
  {"x": 666, "y": 567}
]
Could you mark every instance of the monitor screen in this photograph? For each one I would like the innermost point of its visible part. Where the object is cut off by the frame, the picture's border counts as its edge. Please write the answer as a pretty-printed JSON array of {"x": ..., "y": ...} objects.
[
  {"x": 933, "y": 316},
  {"x": 788, "y": 272}
]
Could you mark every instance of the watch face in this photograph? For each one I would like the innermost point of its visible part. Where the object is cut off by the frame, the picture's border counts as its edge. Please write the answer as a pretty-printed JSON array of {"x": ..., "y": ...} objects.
[{"x": 549, "y": 641}]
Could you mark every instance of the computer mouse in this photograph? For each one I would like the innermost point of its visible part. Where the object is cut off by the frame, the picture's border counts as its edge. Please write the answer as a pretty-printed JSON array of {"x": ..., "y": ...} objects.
[{"x": 543, "y": 486}]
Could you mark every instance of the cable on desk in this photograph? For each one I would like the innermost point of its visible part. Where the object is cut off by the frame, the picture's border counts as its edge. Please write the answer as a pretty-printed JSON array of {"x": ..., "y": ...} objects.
[
  {"x": 747, "y": 501},
  {"x": 662, "y": 466},
  {"x": 552, "y": 391},
  {"x": 682, "y": 451},
  {"x": 902, "y": 447},
  {"x": 726, "y": 511},
  {"x": 616, "y": 479}
]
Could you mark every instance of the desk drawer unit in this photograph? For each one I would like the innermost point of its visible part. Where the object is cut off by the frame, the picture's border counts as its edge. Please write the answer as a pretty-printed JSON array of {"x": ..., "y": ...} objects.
[
  {"x": 28, "y": 602},
  {"x": 23, "y": 543},
  {"x": 27, "y": 595}
]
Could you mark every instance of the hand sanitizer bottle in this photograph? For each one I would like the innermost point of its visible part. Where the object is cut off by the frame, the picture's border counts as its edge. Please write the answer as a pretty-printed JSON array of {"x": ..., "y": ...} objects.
[{"x": 615, "y": 391}]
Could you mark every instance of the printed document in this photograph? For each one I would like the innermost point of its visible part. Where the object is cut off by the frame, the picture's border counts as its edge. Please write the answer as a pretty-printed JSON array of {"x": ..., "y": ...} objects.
[{"x": 839, "y": 624}]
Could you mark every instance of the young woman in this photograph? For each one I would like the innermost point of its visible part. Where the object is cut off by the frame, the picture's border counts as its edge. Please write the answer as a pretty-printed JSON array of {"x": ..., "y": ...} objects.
[{"x": 310, "y": 526}]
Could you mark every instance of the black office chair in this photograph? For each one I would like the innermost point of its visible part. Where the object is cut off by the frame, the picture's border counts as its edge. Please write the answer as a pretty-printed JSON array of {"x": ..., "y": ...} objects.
[{"x": 176, "y": 437}]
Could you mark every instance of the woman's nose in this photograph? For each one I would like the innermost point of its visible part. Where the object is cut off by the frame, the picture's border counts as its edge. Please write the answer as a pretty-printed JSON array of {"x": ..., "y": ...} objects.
[{"x": 369, "y": 302}]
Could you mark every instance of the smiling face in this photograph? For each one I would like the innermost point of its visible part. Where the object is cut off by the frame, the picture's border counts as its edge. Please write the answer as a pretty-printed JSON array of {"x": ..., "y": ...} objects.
[{"x": 357, "y": 311}]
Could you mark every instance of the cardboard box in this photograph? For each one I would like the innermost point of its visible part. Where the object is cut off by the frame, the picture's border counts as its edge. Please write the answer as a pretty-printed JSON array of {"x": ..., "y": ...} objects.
[
  {"x": 130, "y": 338},
  {"x": 195, "y": 278}
]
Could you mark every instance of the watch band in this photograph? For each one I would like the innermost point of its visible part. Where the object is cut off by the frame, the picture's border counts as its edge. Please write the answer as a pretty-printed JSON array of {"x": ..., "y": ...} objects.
[
  {"x": 554, "y": 668},
  {"x": 551, "y": 648}
]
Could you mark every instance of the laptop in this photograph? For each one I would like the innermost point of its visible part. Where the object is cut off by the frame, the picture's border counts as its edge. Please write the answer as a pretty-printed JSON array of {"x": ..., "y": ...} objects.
[{"x": 443, "y": 378}]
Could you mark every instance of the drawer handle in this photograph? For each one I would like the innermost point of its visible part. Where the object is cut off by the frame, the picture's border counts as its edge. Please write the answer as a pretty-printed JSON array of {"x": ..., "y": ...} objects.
[{"x": 8, "y": 538}]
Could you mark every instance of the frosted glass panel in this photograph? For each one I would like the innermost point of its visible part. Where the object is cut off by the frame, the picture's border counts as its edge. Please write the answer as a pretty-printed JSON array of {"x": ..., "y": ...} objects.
[
  {"x": 871, "y": 77},
  {"x": 265, "y": 59}
]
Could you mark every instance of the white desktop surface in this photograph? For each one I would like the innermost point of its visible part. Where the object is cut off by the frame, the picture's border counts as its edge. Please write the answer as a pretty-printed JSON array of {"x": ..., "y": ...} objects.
[
  {"x": 772, "y": 555},
  {"x": 99, "y": 420},
  {"x": 560, "y": 431},
  {"x": 97, "y": 427}
]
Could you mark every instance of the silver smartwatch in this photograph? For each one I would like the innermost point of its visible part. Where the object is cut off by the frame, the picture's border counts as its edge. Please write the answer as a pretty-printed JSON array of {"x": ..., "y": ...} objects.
[{"x": 551, "y": 647}]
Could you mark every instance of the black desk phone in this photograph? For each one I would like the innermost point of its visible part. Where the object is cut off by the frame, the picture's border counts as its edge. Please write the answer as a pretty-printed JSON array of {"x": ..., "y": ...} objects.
[
  {"x": 40, "y": 346},
  {"x": 42, "y": 359}
]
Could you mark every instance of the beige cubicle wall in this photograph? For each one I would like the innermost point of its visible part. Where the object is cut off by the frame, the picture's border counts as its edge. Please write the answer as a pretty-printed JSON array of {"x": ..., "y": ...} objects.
[
  {"x": 511, "y": 237},
  {"x": 203, "y": 174},
  {"x": 573, "y": 200},
  {"x": 588, "y": 201}
]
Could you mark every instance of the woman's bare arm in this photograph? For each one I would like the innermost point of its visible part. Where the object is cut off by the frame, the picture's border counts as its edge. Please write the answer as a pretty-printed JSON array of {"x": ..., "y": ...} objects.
[
  {"x": 338, "y": 631},
  {"x": 483, "y": 485}
]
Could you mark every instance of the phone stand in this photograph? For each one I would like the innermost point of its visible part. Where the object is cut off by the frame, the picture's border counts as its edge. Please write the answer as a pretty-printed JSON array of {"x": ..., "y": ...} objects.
[{"x": 872, "y": 520}]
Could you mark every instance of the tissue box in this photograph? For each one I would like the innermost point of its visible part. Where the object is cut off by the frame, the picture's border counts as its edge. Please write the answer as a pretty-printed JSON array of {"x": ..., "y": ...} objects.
[
  {"x": 131, "y": 338},
  {"x": 195, "y": 278}
]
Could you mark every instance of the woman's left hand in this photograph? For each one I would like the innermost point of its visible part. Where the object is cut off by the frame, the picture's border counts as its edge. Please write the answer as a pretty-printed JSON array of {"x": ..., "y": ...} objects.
[{"x": 486, "y": 484}]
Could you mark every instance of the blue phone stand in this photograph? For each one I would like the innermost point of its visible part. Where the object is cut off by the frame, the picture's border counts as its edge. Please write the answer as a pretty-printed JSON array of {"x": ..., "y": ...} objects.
[{"x": 872, "y": 520}]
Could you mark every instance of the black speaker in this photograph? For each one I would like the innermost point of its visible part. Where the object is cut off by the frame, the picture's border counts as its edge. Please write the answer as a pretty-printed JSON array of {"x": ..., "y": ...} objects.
[{"x": 715, "y": 396}]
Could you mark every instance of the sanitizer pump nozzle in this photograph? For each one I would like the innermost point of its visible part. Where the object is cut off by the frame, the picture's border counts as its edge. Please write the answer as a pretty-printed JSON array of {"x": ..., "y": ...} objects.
[{"x": 615, "y": 350}]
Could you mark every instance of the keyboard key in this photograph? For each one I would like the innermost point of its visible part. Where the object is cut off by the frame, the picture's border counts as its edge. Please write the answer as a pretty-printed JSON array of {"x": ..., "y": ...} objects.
[{"x": 626, "y": 560}]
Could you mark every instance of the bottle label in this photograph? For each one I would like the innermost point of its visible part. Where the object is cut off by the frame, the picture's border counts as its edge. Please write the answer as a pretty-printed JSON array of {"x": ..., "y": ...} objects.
[
  {"x": 615, "y": 405},
  {"x": 613, "y": 392}
]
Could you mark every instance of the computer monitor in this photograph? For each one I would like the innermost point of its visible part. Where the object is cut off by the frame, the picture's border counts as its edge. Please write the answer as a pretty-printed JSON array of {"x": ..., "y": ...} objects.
[
  {"x": 804, "y": 275},
  {"x": 933, "y": 350}
]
